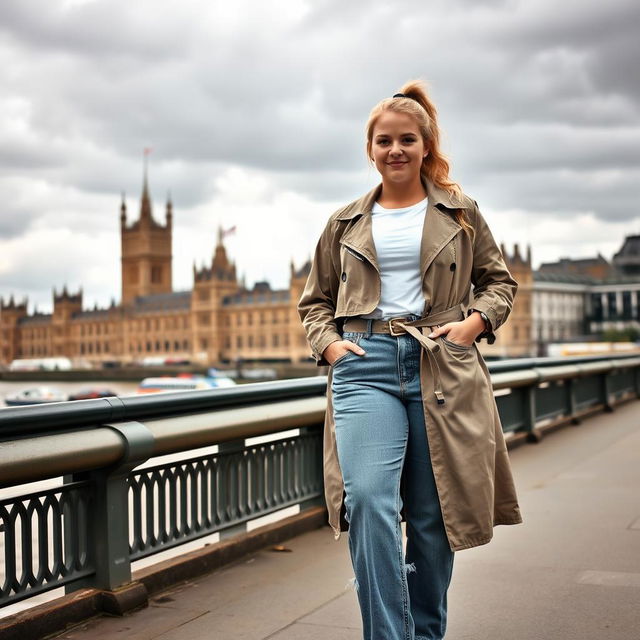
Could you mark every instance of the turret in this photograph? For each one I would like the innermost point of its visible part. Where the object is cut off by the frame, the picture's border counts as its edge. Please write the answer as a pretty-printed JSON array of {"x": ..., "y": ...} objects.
[
  {"x": 123, "y": 213},
  {"x": 169, "y": 216}
]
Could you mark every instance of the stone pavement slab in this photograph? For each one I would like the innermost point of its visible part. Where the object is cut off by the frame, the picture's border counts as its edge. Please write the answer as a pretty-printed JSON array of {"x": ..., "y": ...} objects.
[{"x": 571, "y": 571}]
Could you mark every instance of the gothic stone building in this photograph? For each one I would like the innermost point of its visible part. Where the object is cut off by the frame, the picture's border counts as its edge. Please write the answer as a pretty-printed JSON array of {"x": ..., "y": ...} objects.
[{"x": 217, "y": 321}]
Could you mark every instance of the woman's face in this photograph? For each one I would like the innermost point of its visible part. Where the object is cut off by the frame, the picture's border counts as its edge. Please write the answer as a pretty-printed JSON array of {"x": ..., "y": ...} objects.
[{"x": 397, "y": 148}]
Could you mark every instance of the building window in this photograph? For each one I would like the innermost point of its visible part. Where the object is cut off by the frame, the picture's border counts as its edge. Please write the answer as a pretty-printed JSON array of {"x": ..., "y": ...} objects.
[
  {"x": 204, "y": 343},
  {"x": 156, "y": 275},
  {"x": 239, "y": 342},
  {"x": 250, "y": 341},
  {"x": 203, "y": 295},
  {"x": 249, "y": 318},
  {"x": 276, "y": 340}
]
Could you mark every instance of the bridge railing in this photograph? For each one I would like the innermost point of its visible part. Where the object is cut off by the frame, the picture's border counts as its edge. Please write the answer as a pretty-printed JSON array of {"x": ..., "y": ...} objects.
[{"x": 109, "y": 512}]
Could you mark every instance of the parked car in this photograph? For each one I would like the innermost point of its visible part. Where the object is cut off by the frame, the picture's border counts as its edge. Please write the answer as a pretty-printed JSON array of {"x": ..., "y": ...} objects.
[
  {"x": 35, "y": 395},
  {"x": 89, "y": 393}
]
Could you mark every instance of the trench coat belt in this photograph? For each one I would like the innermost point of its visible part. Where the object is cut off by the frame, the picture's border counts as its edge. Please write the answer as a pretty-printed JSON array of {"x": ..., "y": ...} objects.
[{"x": 398, "y": 326}]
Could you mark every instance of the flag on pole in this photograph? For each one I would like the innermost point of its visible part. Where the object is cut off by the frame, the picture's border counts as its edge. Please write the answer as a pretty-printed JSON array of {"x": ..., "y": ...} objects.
[
  {"x": 228, "y": 231},
  {"x": 147, "y": 150}
]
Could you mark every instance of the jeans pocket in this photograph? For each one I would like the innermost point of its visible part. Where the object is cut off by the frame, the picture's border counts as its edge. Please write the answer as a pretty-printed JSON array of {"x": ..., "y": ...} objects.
[
  {"x": 353, "y": 336},
  {"x": 344, "y": 356}
]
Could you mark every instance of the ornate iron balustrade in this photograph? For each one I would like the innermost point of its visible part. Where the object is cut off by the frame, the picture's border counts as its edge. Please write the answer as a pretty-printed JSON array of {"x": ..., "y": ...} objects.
[
  {"x": 178, "y": 503},
  {"x": 46, "y": 541}
]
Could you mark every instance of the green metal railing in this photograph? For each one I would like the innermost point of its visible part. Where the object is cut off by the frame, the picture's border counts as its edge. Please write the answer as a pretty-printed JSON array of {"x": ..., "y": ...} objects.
[{"x": 109, "y": 512}]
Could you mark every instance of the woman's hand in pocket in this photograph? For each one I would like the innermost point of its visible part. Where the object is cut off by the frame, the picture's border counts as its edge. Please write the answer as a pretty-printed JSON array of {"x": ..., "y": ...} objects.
[{"x": 338, "y": 348}]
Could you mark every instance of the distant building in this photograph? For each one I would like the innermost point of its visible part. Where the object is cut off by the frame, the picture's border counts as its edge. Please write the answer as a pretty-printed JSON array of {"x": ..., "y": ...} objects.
[
  {"x": 627, "y": 260},
  {"x": 576, "y": 300},
  {"x": 218, "y": 321},
  {"x": 596, "y": 268}
]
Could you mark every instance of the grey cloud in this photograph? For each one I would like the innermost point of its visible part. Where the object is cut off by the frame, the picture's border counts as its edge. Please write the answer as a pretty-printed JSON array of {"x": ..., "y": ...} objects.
[{"x": 526, "y": 92}]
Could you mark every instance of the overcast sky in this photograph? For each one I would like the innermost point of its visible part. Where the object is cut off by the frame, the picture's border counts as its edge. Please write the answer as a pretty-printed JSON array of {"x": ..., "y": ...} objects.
[{"x": 255, "y": 112}]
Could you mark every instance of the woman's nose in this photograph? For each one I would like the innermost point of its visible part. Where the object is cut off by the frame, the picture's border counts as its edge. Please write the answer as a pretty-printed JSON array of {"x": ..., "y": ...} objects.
[{"x": 395, "y": 148}]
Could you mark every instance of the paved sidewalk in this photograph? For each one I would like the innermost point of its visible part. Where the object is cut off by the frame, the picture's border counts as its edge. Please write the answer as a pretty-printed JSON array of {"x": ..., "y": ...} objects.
[{"x": 571, "y": 571}]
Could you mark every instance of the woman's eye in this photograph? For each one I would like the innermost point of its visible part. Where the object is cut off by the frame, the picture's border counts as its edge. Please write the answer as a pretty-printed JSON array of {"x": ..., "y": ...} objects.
[{"x": 409, "y": 140}]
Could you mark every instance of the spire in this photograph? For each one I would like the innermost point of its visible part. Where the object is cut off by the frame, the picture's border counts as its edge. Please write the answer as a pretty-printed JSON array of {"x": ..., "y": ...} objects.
[
  {"x": 219, "y": 235},
  {"x": 169, "y": 209},
  {"x": 145, "y": 204}
]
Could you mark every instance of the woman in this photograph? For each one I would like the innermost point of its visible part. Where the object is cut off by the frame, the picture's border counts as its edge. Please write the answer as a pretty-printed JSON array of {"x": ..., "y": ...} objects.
[{"x": 411, "y": 430}]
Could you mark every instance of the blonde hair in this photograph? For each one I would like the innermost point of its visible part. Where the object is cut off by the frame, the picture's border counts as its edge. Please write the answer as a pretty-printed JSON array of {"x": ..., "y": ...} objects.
[{"x": 435, "y": 166}]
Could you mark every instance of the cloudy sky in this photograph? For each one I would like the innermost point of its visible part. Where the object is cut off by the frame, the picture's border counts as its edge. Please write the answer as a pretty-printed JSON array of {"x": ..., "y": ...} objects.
[{"x": 255, "y": 112}]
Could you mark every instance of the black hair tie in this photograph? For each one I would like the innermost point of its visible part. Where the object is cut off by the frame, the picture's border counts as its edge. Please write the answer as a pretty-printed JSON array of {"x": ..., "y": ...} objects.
[{"x": 400, "y": 95}]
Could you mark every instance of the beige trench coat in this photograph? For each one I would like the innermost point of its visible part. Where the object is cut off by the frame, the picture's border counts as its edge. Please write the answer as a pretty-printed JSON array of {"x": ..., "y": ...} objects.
[{"x": 467, "y": 448}]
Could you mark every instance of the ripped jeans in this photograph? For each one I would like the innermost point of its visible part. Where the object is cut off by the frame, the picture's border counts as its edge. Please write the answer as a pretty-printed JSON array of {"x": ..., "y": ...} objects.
[{"x": 381, "y": 437}]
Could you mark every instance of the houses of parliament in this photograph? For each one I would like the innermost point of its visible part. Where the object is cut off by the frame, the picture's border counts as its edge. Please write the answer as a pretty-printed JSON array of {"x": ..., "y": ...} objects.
[{"x": 218, "y": 321}]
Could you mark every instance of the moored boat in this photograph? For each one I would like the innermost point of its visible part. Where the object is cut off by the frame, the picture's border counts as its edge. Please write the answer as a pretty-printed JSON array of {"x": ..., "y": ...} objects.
[{"x": 35, "y": 395}]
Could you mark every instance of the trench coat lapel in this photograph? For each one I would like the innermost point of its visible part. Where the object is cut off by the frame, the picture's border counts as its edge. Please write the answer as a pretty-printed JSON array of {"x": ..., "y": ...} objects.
[
  {"x": 438, "y": 229},
  {"x": 359, "y": 235}
]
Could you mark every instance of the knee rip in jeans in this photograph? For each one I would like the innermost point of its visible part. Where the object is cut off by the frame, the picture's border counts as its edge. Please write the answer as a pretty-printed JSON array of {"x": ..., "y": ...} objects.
[{"x": 353, "y": 583}]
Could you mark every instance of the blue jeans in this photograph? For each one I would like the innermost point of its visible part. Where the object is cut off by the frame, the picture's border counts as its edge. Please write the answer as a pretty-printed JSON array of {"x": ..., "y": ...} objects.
[{"x": 381, "y": 440}]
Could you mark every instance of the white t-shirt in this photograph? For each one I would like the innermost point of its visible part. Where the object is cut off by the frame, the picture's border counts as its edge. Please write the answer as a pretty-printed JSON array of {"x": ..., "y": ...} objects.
[{"x": 397, "y": 236}]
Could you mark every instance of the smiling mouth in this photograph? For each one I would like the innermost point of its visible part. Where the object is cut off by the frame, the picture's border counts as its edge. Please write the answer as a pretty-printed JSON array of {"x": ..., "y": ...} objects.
[{"x": 396, "y": 164}]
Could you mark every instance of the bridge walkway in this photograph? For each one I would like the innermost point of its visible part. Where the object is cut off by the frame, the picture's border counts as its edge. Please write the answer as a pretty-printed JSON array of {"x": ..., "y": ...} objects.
[{"x": 570, "y": 572}]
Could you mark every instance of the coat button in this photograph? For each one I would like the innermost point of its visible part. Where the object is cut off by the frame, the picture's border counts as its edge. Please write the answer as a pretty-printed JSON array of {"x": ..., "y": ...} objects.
[
  {"x": 344, "y": 276},
  {"x": 452, "y": 266}
]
